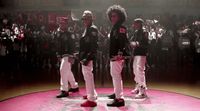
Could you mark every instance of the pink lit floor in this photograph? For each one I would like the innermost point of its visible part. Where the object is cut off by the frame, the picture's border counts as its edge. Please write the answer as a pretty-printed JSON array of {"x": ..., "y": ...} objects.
[{"x": 46, "y": 101}]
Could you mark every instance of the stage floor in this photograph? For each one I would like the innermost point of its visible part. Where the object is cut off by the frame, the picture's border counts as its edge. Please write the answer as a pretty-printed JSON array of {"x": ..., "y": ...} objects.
[{"x": 46, "y": 101}]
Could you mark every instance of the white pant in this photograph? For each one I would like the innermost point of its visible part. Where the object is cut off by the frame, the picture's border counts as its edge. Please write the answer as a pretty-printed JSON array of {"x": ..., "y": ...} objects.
[
  {"x": 66, "y": 75},
  {"x": 115, "y": 70},
  {"x": 89, "y": 81},
  {"x": 139, "y": 70}
]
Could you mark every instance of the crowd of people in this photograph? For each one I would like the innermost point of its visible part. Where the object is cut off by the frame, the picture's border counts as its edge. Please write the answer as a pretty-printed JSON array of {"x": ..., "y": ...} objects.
[
  {"x": 25, "y": 44},
  {"x": 158, "y": 42}
]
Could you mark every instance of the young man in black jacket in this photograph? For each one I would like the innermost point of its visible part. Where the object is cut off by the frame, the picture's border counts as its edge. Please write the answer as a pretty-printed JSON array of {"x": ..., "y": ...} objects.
[
  {"x": 65, "y": 51},
  {"x": 118, "y": 42},
  {"x": 140, "y": 44},
  {"x": 88, "y": 50}
]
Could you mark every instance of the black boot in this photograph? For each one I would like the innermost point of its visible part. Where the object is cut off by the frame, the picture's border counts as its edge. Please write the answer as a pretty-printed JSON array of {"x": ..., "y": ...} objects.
[
  {"x": 117, "y": 103},
  {"x": 112, "y": 96},
  {"x": 73, "y": 90},
  {"x": 63, "y": 94}
]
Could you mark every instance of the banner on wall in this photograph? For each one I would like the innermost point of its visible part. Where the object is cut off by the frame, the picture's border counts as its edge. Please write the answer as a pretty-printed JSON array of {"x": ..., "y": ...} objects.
[
  {"x": 41, "y": 18},
  {"x": 61, "y": 19},
  {"x": 51, "y": 18}
]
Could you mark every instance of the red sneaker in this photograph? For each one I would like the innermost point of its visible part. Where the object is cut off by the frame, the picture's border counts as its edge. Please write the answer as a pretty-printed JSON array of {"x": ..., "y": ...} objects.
[
  {"x": 85, "y": 97},
  {"x": 89, "y": 104}
]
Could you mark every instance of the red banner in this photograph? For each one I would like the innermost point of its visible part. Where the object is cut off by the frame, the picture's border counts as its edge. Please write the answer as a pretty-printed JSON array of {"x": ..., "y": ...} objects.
[{"x": 52, "y": 18}]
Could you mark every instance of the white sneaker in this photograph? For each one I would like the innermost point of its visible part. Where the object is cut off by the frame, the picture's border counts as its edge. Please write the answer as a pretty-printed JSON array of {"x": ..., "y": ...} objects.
[
  {"x": 136, "y": 90},
  {"x": 142, "y": 94}
]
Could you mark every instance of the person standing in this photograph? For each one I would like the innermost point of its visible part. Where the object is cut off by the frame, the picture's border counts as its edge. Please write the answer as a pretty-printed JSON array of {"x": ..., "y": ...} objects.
[
  {"x": 140, "y": 45},
  {"x": 88, "y": 50},
  {"x": 66, "y": 52},
  {"x": 118, "y": 41}
]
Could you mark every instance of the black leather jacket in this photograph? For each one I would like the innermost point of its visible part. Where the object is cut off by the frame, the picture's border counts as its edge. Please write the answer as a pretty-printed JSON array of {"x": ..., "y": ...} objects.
[
  {"x": 88, "y": 43},
  {"x": 66, "y": 44},
  {"x": 142, "y": 38},
  {"x": 118, "y": 41}
]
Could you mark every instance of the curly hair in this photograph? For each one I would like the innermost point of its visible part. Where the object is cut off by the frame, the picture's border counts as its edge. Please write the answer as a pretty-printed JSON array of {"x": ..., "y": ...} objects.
[{"x": 119, "y": 10}]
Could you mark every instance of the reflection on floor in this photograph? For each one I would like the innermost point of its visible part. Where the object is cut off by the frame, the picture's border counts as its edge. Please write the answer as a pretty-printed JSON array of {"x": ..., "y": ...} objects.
[
  {"x": 46, "y": 101},
  {"x": 15, "y": 90}
]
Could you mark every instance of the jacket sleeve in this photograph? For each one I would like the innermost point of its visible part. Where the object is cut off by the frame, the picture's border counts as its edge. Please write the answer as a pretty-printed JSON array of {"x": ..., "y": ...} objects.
[
  {"x": 93, "y": 44},
  {"x": 71, "y": 44},
  {"x": 143, "y": 41},
  {"x": 123, "y": 40}
]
